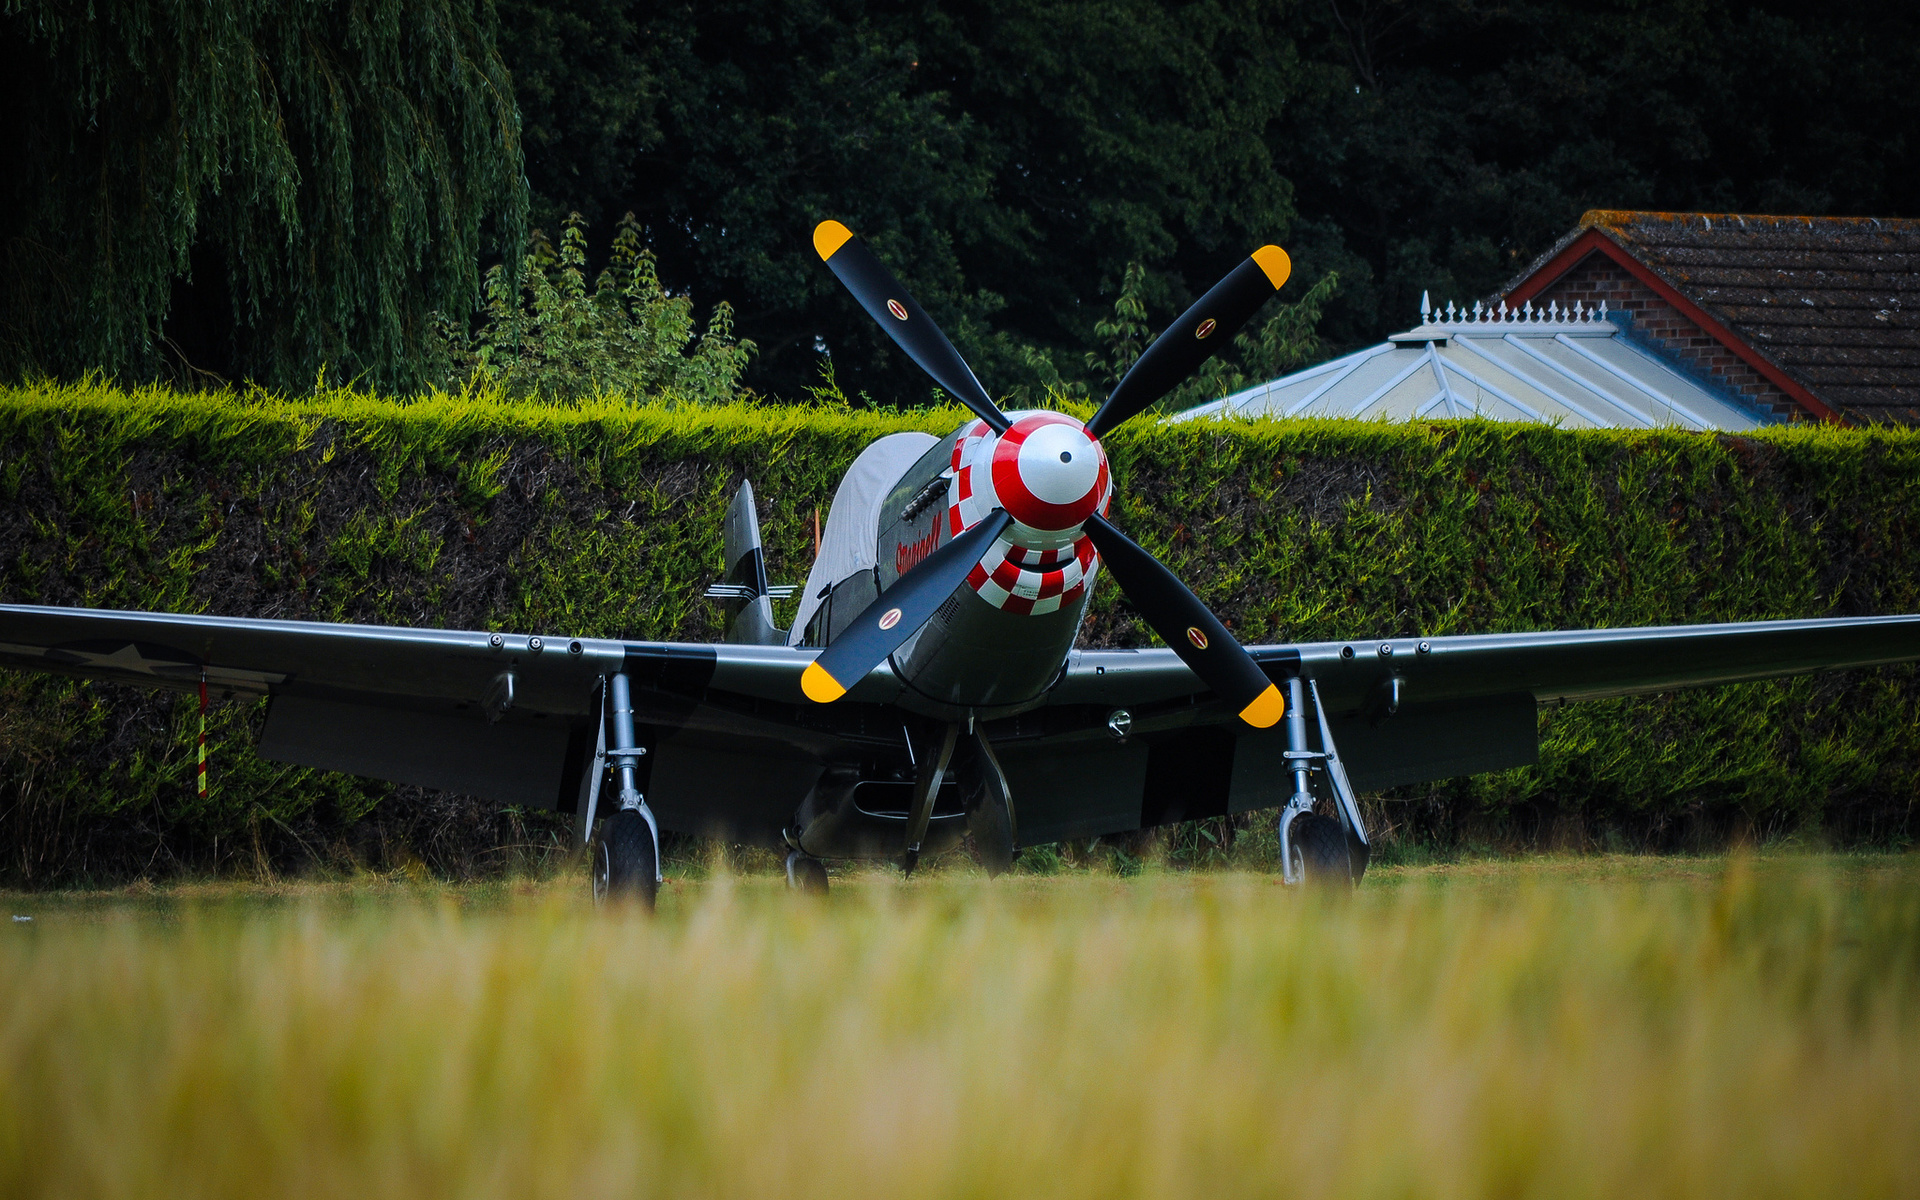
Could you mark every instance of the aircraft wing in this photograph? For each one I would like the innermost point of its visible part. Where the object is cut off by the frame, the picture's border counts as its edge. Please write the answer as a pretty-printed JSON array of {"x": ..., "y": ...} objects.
[
  {"x": 1402, "y": 710},
  {"x": 507, "y": 716},
  {"x": 735, "y": 745},
  {"x": 1580, "y": 664}
]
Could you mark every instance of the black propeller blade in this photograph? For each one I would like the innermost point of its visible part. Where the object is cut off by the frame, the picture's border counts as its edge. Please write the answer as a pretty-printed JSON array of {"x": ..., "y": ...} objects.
[
  {"x": 1195, "y": 634},
  {"x": 889, "y": 303},
  {"x": 1201, "y": 331},
  {"x": 898, "y": 613}
]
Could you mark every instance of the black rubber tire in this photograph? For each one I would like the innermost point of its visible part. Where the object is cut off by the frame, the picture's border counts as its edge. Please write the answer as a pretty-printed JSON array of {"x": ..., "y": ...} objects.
[
  {"x": 624, "y": 863},
  {"x": 806, "y": 873},
  {"x": 1320, "y": 852}
]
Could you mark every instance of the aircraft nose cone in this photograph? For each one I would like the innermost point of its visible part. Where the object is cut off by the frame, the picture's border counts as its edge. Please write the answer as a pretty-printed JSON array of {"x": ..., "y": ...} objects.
[
  {"x": 1059, "y": 463},
  {"x": 1049, "y": 472}
]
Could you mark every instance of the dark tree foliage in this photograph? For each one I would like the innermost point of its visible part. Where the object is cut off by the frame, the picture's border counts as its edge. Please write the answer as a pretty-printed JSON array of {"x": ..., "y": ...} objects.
[
  {"x": 248, "y": 190},
  {"x": 256, "y": 190},
  {"x": 1010, "y": 159},
  {"x": 1446, "y": 143}
]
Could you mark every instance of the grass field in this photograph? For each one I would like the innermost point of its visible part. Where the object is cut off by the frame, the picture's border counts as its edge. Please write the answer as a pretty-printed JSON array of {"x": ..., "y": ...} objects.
[{"x": 1554, "y": 1027}]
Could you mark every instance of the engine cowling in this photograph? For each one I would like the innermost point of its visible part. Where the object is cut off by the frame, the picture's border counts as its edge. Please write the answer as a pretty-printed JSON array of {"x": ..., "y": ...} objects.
[{"x": 1050, "y": 475}]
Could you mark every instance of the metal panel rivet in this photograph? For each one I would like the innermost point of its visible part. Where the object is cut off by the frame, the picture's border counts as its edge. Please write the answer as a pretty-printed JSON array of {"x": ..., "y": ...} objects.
[
  {"x": 574, "y": 648},
  {"x": 1426, "y": 647},
  {"x": 536, "y": 645},
  {"x": 1386, "y": 650},
  {"x": 496, "y": 641},
  {"x": 1346, "y": 652}
]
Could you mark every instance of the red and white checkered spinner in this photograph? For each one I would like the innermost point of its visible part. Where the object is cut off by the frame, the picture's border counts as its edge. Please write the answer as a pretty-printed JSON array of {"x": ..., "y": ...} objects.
[{"x": 1050, "y": 475}]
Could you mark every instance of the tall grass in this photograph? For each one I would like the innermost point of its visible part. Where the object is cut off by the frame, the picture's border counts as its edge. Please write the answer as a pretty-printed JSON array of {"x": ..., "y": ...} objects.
[{"x": 1701, "y": 1029}]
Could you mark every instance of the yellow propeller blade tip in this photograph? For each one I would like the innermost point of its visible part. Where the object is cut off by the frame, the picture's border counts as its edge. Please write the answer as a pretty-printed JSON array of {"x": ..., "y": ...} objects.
[
  {"x": 1272, "y": 259},
  {"x": 829, "y": 236},
  {"x": 820, "y": 687},
  {"x": 1267, "y": 708}
]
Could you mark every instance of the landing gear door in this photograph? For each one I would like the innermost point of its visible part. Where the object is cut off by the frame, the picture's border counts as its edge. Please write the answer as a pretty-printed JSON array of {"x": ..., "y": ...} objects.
[{"x": 596, "y": 772}]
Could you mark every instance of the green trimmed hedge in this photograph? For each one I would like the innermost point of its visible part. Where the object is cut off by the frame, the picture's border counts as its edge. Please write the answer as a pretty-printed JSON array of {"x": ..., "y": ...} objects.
[{"x": 470, "y": 512}]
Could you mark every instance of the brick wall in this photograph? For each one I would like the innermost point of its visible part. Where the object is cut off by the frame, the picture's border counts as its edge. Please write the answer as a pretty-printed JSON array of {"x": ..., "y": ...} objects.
[{"x": 1596, "y": 278}]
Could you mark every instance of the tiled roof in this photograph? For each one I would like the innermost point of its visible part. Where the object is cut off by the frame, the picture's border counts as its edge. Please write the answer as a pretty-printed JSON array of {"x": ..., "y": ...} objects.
[{"x": 1833, "y": 302}]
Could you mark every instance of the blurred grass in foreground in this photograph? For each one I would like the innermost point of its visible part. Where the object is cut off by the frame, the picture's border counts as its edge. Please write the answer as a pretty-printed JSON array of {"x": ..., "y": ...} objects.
[{"x": 1704, "y": 1027}]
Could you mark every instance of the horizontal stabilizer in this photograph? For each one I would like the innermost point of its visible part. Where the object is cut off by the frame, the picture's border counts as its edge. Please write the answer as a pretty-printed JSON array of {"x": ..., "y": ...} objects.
[{"x": 746, "y": 591}]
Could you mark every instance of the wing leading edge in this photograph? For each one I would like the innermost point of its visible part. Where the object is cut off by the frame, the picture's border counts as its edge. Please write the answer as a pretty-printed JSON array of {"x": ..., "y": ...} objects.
[
  {"x": 389, "y": 665},
  {"x": 512, "y": 717},
  {"x": 508, "y": 717},
  {"x": 1586, "y": 664},
  {"x": 1402, "y": 710}
]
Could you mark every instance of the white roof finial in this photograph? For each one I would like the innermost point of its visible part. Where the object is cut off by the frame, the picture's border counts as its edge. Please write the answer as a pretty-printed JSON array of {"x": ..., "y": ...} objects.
[{"x": 1425, "y": 308}]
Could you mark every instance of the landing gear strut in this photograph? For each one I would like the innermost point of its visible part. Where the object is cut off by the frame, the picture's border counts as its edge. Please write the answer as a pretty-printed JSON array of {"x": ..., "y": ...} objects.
[
  {"x": 926, "y": 786},
  {"x": 1318, "y": 850},
  {"x": 627, "y": 864}
]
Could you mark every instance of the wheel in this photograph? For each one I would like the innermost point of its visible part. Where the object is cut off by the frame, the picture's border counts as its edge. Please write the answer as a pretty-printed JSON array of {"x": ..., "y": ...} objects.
[
  {"x": 1319, "y": 846},
  {"x": 806, "y": 873},
  {"x": 624, "y": 863}
]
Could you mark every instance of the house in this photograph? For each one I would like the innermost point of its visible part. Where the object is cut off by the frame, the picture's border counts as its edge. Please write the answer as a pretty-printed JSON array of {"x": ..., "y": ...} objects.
[
  {"x": 1634, "y": 319},
  {"x": 1806, "y": 317}
]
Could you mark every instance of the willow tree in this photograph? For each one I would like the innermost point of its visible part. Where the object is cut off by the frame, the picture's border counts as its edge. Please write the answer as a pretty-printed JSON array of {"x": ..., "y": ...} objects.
[{"x": 249, "y": 188}]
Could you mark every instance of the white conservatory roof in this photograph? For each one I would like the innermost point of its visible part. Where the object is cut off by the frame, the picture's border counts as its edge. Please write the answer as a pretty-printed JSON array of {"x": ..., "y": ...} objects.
[{"x": 1574, "y": 368}]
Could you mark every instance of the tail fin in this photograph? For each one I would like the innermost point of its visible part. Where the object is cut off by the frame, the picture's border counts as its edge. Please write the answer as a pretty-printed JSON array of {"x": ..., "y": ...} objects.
[{"x": 748, "y": 607}]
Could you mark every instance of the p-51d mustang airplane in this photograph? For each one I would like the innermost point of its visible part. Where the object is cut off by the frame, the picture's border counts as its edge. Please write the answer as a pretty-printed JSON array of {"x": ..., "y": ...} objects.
[{"x": 930, "y": 685}]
